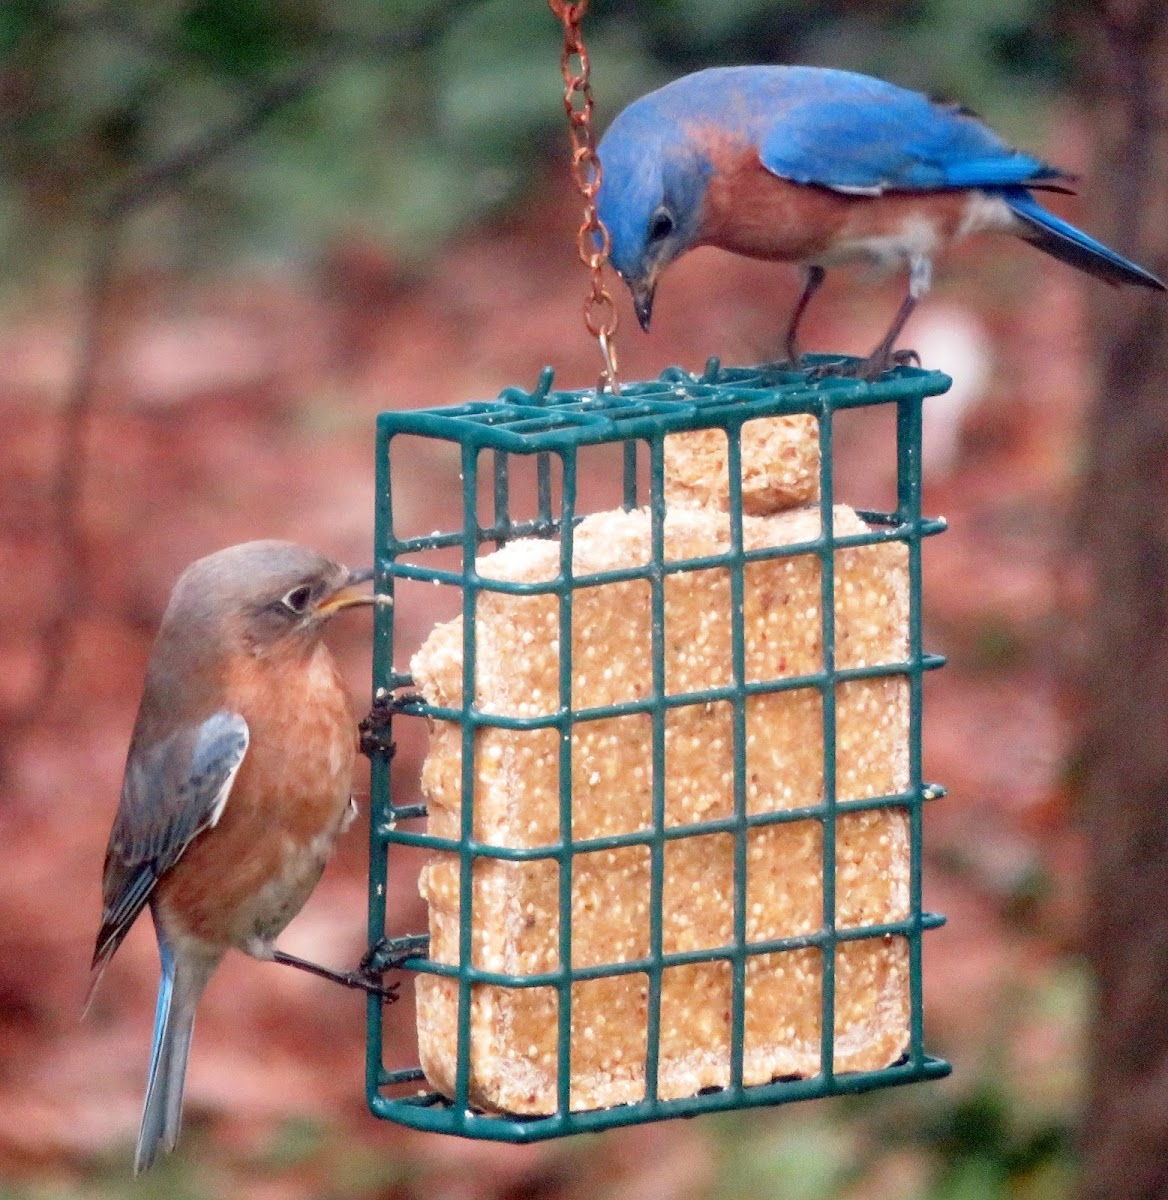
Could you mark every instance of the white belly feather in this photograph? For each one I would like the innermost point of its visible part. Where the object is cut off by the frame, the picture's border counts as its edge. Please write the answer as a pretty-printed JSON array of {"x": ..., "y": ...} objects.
[{"x": 919, "y": 236}]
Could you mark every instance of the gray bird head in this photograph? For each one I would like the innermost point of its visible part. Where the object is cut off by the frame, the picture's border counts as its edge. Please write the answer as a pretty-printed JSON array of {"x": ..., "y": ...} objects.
[
  {"x": 264, "y": 594},
  {"x": 653, "y": 183}
]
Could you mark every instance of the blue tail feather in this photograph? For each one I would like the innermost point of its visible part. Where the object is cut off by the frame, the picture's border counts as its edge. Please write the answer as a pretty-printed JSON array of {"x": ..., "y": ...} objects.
[
  {"x": 1073, "y": 246},
  {"x": 179, "y": 989}
]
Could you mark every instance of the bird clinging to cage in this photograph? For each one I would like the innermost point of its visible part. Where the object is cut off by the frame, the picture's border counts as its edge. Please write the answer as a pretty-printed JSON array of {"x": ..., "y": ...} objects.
[
  {"x": 237, "y": 783},
  {"x": 820, "y": 167}
]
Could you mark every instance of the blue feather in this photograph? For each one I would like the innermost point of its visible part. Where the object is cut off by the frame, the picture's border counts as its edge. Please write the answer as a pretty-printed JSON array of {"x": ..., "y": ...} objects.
[
  {"x": 154, "y": 1112},
  {"x": 848, "y": 132},
  {"x": 182, "y": 983},
  {"x": 1072, "y": 246},
  {"x": 833, "y": 128}
]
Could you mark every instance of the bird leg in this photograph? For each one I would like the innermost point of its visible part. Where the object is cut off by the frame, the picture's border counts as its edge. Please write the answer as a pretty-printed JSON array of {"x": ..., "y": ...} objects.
[
  {"x": 884, "y": 357},
  {"x": 815, "y": 276},
  {"x": 920, "y": 276},
  {"x": 359, "y": 979}
]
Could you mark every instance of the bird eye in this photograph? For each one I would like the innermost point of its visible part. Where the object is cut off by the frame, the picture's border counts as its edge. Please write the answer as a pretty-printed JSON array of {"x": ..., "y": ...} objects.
[
  {"x": 297, "y": 599},
  {"x": 661, "y": 226}
]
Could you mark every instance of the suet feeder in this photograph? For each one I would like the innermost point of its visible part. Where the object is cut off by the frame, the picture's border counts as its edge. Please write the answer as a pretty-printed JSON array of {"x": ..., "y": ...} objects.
[
  {"x": 673, "y": 817},
  {"x": 552, "y": 429}
]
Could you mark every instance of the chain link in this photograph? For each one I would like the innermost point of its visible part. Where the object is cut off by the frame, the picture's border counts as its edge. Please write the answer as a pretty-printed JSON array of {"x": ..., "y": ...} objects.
[{"x": 592, "y": 241}]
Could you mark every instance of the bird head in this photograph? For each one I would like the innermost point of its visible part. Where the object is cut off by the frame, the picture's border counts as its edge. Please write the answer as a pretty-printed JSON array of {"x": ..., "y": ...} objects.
[
  {"x": 265, "y": 595},
  {"x": 653, "y": 182}
]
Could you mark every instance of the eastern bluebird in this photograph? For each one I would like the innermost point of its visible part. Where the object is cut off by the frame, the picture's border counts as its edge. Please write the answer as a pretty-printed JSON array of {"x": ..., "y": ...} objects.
[
  {"x": 820, "y": 167},
  {"x": 237, "y": 783}
]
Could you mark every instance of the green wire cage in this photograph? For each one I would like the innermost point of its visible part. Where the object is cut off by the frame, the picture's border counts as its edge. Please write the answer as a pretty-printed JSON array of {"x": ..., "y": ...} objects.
[{"x": 549, "y": 430}]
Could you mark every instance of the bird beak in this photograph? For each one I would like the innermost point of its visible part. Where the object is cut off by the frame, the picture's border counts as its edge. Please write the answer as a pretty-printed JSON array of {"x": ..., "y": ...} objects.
[
  {"x": 350, "y": 594},
  {"x": 643, "y": 301}
]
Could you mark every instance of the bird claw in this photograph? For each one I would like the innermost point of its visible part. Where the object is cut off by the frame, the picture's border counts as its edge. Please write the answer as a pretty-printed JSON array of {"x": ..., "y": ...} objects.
[
  {"x": 369, "y": 982},
  {"x": 386, "y": 955},
  {"x": 374, "y": 729},
  {"x": 374, "y": 987},
  {"x": 832, "y": 370},
  {"x": 390, "y": 954},
  {"x": 868, "y": 369}
]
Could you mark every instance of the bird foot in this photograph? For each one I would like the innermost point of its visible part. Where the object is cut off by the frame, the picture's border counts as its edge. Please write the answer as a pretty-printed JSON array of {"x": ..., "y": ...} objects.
[
  {"x": 371, "y": 985},
  {"x": 362, "y": 979},
  {"x": 374, "y": 729},
  {"x": 390, "y": 954},
  {"x": 900, "y": 358},
  {"x": 868, "y": 369}
]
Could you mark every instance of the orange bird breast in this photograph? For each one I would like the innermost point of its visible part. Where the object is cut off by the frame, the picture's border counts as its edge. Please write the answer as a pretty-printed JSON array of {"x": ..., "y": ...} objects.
[
  {"x": 241, "y": 882},
  {"x": 750, "y": 211}
]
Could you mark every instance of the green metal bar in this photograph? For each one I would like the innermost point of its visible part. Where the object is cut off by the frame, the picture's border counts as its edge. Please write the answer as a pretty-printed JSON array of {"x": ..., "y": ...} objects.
[
  {"x": 502, "y": 528},
  {"x": 738, "y": 738},
  {"x": 643, "y": 410},
  {"x": 545, "y": 521},
  {"x": 828, "y": 694},
  {"x": 380, "y": 776},
  {"x": 908, "y": 434},
  {"x": 428, "y": 1114},
  {"x": 405, "y": 1075},
  {"x": 629, "y": 449},
  {"x": 678, "y": 958},
  {"x": 756, "y": 687},
  {"x": 657, "y": 710},
  {"x": 425, "y": 574},
  {"x": 564, "y": 974},
  {"x": 470, "y": 594},
  {"x": 616, "y": 841}
]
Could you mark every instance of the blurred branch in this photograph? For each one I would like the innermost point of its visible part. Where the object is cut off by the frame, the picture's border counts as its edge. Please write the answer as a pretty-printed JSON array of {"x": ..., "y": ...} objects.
[
  {"x": 174, "y": 171},
  {"x": 262, "y": 103},
  {"x": 149, "y": 184},
  {"x": 1129, "y": 31},
  {"x": 68, "y": 489},
  {"x": 70, "y": 591},
  {"x": 1124, "y": 741}
]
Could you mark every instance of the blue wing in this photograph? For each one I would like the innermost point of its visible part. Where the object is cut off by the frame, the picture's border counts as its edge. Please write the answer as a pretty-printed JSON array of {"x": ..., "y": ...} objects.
[
  {"x": 847, "y": 132},
  {"x": 172, "y": 791},
  {"x": 855, "y": 134}
]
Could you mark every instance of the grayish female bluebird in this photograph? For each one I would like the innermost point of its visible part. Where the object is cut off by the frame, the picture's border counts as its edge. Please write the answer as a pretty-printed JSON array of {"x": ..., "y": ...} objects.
[
  {"x": 237, "y": 783},
  {"x": 820, "y": 167}
]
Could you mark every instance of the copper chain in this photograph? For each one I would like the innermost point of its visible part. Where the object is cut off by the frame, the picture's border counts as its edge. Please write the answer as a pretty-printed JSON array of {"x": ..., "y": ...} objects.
[{"x": 592, "y": 241}]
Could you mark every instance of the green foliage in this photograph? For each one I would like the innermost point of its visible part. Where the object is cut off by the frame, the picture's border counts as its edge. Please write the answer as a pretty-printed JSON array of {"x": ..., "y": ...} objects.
[
  {"x": 244, "y": 38},
  {"x": 800, "y": 1155},
  {"x": 940, "y": 1142},
  {"x": 998, "y": 1129},
  {"x": 406, "y": 118}
]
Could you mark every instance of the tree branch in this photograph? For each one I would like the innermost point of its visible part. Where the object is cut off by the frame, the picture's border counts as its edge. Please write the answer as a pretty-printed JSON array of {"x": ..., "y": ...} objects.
[
  {"x": 69, "y": 475},
  {"x": 153, "y": 181}
]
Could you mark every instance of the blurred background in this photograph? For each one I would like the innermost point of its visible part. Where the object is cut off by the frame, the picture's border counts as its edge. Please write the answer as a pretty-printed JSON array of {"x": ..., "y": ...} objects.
[{"x": 232, "y": 231}]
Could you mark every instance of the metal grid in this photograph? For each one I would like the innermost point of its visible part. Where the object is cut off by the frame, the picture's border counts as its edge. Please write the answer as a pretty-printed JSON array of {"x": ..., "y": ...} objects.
[{"x": 551, "y": 425}]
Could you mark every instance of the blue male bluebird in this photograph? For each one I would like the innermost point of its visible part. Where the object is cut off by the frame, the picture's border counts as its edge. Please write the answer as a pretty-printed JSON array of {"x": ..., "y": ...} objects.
[
  {"x": 820, "y": 167},
  {"x": 237, "y": 783}
]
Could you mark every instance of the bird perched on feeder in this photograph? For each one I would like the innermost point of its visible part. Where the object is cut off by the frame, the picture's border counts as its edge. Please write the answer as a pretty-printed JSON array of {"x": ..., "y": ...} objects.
[
  {"x": 237, "y": 783},
  {"x": 820, "y": 167}
]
